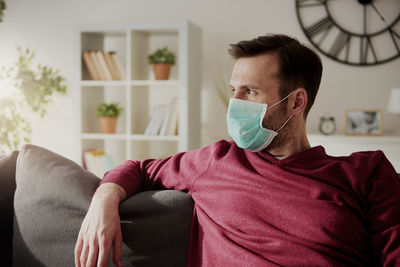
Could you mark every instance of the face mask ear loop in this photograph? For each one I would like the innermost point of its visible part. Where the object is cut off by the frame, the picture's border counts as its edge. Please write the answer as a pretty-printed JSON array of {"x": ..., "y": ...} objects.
[
  {"x": 285, "y": 123},
  {"x": 282, "y": 99}
]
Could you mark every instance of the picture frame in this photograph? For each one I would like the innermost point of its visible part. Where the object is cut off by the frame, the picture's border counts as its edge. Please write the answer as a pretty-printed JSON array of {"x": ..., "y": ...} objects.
[{"x": 364, "y": 122}]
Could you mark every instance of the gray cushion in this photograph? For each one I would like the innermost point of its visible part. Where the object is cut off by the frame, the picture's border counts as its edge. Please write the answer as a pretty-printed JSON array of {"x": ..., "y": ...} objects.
[
  {"x": 7, "y": 188},
  {"x": 51, "y": 200}
]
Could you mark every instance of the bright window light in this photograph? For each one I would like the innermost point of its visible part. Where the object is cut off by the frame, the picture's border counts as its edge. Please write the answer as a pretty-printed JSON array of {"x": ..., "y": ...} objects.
[{"x": 6, "y": 89}]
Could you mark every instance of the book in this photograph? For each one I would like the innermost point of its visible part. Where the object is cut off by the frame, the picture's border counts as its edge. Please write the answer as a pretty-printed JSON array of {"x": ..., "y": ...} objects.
[
  {"x": 160, "y": 119},
  {"x": 111, "y": 65},
  {"x": 166, "y": 119},
  {"x": 119, "y": 66},
  {"x": 85, "y": 163},
  {"x": 89, "y": 158},
  {"x": 97, "y": 65},
  {"x": 103, "y": 65},
  {"x": 151, "y": 122},
  {"x": 150, "y": 129},
  {"x": 99, "y": 165},
  {"x": 156, "y": 120},
  {"x": 97, "y": 161},
  {"x": 108, "y": 162},
  {"x": 173, "y": 123},
  {"x": 97, "y": 153},
  {"x": 90, "y": 66},
  {"x": 170, "y": 118}
]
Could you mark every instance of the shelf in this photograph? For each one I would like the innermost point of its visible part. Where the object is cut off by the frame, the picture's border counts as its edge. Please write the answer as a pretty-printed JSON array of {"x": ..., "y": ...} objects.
[
  {"x": 154, "y": 83},
  {"x": 100, "y": 136},
  {"x": 154, "y": 137},
  {"x": 131, "y": 83},
  {"x": 103, "y": 83},
  {"x": 139, "y": 93},
  {"x": 141, "y": 137}
]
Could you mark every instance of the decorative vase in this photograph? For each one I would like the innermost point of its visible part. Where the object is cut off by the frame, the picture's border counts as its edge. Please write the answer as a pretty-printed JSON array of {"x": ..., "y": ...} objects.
[
  {"x": 108, "y": 124},
  {"x": 161, "y": 71}
]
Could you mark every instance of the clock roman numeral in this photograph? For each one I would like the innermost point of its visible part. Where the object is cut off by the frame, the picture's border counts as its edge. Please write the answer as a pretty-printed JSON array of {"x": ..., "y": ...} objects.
[
  {"x": 342, "y": 40},
  {"x": 336, "y": 40},
  {"x": 324, "y": 24},
  {"x": 310, "y": 3},
  {"x": 365, "y": 47},
  {"x": 395, "y": 38}
]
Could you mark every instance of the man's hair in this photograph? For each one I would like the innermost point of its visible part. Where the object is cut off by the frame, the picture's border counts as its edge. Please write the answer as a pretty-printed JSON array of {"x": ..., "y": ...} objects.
[{"x": 299, "y": 66}]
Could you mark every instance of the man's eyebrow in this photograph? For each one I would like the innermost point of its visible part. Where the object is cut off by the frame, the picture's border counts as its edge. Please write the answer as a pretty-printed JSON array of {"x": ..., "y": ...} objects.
[{"x": 247, "y": 86}]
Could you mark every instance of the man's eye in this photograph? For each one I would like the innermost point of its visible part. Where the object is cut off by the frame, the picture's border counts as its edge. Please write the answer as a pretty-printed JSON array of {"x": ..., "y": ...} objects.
[{"x": 250, "y": 92}]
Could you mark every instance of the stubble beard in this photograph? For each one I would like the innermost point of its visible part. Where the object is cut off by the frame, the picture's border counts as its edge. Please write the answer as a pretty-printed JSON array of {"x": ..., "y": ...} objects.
[{"x": 273, "y": 122}]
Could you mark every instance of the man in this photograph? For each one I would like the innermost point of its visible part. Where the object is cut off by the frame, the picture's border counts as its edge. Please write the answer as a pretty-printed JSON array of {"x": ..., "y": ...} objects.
[{"x": 266, "y": 198}]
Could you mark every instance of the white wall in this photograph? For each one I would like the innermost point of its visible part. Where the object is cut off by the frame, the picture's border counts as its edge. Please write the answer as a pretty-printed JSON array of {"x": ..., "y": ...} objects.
[{"x": 46, "y": 26}]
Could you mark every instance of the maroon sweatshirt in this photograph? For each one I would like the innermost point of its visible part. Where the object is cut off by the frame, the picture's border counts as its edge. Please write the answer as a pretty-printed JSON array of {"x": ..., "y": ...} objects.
[{"x": 308, "y": 209}]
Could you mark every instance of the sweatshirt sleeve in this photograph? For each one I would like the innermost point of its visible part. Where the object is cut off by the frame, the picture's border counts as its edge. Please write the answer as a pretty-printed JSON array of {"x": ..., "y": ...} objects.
[
  {"x": 176, "y": 172},
  {"x": 383, "y": 204}
]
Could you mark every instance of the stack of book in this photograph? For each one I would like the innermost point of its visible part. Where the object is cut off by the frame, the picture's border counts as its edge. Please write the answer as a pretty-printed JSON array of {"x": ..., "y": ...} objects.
[
  {"x": 97, "y": 161},
  {"x": 164, "y": 120},
  {"x": 103, "y": 65}
]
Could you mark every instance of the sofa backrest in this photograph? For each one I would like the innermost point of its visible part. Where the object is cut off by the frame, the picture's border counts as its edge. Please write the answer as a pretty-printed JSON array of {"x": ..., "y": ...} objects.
[{"x": 7, "y": 188}]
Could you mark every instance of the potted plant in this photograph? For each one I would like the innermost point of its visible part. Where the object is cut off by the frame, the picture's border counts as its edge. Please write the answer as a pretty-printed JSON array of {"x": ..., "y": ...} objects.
[
  {"x": 108, "y": 115},
  {"x": 162, "y": 60},
  {"x": 2, "y": 8}
]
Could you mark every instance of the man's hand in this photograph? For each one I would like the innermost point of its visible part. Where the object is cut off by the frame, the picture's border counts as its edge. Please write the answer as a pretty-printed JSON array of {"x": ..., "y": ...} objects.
[{"x": 101, "y": 229}]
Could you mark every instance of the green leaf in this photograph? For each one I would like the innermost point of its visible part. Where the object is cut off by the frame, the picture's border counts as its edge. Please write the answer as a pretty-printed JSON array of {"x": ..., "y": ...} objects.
[
  {"x": 162, "y": 55},
  {"x": 34, "y": 90},
  {"x": 108, "y": 110}
]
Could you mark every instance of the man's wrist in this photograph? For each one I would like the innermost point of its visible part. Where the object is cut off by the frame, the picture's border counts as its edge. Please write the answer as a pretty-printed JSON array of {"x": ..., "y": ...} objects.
[{"x": 110, "y": 191}]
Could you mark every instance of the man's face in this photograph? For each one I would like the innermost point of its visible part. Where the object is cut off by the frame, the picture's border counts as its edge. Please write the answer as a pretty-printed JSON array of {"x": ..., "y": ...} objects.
[{"x": 255, "y": 79}]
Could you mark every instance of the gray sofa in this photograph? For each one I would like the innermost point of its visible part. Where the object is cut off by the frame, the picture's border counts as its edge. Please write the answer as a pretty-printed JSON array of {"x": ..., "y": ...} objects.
[{"x": 44, "y": 198}]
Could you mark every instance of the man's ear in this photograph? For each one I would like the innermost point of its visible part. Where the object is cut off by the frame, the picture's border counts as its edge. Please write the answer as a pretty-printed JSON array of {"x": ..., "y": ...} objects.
[{"x": 299, "y": 101}]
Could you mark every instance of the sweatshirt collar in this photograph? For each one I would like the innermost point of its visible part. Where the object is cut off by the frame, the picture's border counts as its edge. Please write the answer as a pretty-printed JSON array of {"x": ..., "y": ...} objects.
[{"x": 309, "y": 154}]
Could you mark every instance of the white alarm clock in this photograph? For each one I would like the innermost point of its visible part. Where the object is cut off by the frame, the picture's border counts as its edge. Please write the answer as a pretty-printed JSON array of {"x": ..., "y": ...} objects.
[{"x": 327, "y": 125}]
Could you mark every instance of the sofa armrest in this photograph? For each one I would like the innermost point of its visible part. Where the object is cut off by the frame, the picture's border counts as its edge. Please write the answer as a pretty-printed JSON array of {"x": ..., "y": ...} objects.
[{"x": 156, "y": 227}]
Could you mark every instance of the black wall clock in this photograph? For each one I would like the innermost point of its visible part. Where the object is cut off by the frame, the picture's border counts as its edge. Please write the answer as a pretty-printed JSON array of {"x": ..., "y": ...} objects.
[{"x": 354, "y": 32}]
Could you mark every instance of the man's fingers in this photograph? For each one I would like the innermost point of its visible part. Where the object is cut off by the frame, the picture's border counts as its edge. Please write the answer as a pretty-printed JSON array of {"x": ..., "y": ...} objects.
[
  {"x": 93, "y": 253},
  {"x": 117, "y": 249},
  {"x": 99, "y": 228},
  {"x": 104, "y": 252},
  {"x": 84, "y": 254},
  {"x": 78, "y": 250}
]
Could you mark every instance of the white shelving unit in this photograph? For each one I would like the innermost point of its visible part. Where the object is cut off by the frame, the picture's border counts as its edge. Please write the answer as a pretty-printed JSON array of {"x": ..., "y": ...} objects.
[
  {"x": 343, "y": 145},
  {"x": 139, "y": 93}
]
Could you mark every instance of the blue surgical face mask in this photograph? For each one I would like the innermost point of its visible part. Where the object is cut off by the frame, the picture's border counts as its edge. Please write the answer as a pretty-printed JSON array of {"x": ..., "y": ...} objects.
[{"x": 244, "y": 120}]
